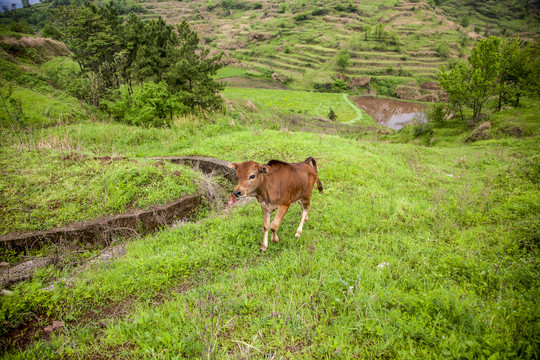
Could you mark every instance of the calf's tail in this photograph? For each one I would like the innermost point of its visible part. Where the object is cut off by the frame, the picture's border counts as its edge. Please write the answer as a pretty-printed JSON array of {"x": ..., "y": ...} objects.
[{"x": 314, "y": 163}]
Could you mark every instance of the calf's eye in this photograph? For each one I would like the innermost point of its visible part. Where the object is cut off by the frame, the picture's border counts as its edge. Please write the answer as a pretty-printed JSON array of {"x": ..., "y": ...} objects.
[{"x": 252, "y": 176}]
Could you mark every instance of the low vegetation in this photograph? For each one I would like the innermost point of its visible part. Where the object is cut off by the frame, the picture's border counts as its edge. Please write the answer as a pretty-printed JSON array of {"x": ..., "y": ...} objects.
[{"x": 425, "y": 243}]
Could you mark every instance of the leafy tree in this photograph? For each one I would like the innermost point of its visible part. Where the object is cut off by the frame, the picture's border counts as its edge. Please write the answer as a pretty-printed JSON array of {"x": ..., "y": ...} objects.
[
  {"x": 367, "y": 30},
  {"x": 380, "y": 33},
  {"x": 516, "y": 71},
  {"x": 471, "y": 84},
  {"x": 91, "y": 33},
  {"x": 343, "y": 60}
]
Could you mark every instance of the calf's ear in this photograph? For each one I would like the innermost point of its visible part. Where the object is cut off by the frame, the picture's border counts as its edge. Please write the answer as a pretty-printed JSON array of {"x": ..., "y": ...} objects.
[
  {"x": 263, "y": 169},
  {"x": 233, "y": 166}
]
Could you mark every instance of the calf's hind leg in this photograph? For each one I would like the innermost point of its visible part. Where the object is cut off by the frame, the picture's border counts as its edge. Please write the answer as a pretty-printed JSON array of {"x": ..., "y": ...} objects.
[{"x": 305, "y": 212}]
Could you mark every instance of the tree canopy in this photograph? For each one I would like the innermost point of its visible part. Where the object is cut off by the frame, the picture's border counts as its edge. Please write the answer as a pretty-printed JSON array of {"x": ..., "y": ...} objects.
[
  {"x": 496, "y": 68},
  {"x": 112, "y": 51}
]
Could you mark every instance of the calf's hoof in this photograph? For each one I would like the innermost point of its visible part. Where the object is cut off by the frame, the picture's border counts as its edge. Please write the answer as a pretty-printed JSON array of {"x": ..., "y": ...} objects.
[
  {"x": 298, "y": 233},
  {"x": 262, "y": 250},
  {"x": 275, "y": 239}
]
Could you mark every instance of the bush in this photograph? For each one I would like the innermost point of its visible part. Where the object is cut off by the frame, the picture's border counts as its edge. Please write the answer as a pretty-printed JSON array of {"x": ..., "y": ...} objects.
[
  {"x": 339, "y": 85},
  {"x": 319, "y": 12},
  {"x": 301, "y": 17},
  {"x": 420, "y": 128},
  {"x": 332, "y": 115},
  {"x": 149, "y": 105},
  {"x": 257, "y": 5},
  {"x": 436, "y": 112},
  {"x": 443, "y": 50}
]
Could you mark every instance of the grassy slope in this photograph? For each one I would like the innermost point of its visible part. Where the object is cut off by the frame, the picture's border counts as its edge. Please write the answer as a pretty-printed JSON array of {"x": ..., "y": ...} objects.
[
  {"x": 270, "y": 40},
  {"x": 308, "y": 103},
  {"x": 458, "y": 226}
]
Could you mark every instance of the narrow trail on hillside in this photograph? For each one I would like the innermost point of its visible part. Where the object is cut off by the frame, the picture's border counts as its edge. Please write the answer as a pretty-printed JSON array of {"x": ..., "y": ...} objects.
[{"x": 358, "y": 112}]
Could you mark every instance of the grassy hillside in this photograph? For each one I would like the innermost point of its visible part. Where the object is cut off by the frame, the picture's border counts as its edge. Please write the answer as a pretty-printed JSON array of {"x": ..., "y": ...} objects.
[
  {"x": 410, "y": 252},
  {"x": 424, "y": 245},
  {"x": 403, "y": 43}
]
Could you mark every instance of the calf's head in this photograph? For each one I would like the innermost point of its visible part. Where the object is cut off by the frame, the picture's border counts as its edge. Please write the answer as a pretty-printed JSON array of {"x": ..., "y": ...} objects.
[{"x": 250, "y": 177}]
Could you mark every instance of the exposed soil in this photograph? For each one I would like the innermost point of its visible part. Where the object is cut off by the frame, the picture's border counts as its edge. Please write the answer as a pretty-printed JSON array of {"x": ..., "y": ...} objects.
[{"x": 392, "y": 113}]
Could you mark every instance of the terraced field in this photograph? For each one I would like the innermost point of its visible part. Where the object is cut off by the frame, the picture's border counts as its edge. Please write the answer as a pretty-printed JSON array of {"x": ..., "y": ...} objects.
[{"x": 302, "y": 41}]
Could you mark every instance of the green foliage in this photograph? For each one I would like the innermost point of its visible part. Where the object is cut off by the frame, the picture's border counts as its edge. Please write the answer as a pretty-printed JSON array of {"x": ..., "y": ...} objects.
[
  {"x": 385, "y": 86},
  {"x": 442, "y": 49},
  {"x": 301, "y": 17},
  {"x": 471, "y": 84},
  {"x": 516, "y": 77},
  {"x": 343, "y": 60},
  {"x": 332, "y": 115},
  {"x": 189, "y": 76},
  {"x": 149, "y": 105},
  {"x": 111, "y": 51},
  {"x": 339, "y": 85},
  {"x": 437, "y": 112},
  {"x": 465, "y": 21}
]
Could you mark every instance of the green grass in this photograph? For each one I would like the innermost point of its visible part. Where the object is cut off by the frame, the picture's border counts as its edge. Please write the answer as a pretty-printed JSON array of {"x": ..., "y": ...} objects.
[
  {"x": 42, "y": 187},
  {"x": 457, "y": 225},
  {"x": 301, "y": 102},
  {"x": 228, "y": 71},
  {"x": 44, "y": 107}
]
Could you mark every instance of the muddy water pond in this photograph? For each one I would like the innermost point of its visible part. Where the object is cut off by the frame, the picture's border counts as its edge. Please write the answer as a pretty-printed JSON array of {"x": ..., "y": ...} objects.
[{"x": 389, "y": 112}]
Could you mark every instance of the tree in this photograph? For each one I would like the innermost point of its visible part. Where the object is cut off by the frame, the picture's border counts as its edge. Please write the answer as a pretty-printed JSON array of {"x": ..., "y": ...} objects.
[
  {"x": 190, "y": 72},
  {"x": 473, "y": 83},
  {"x": 91, "y": 33},
  {"x": 343, "y": 60},
  {"x": 111, "y": 52},
  {"x": 516, "y": 71},
  {"x": 367, "y": 30}
]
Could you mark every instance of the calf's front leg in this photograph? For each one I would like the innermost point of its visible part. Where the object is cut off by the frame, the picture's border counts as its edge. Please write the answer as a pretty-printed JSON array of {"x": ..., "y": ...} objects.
[{"x": 266, "y": 228}]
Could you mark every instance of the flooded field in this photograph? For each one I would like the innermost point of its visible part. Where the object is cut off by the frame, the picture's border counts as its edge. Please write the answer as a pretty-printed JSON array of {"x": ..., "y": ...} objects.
[{"x": 392, "y": 113}]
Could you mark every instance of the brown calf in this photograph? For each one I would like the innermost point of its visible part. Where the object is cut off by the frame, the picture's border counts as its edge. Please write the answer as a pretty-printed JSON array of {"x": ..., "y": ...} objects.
[{"x": 277, "y": 185}]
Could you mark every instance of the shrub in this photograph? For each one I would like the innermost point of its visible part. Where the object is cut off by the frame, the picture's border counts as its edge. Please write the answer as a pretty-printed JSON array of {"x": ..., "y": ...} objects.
[
  {"x": 343, "y": 60},
  {"x": 301, "y": 17},
  {"x": 443, "y": 50},
  {"x": 257, "y": 5},
  {"x": 436, "y": 112},
  {"x": 332, "y": 115},
  {"x": 149, "y": 105},
  {"x": 319, "y": 11},
  {"x": 339, "y": 85},
  {"x": 420, "y": 128}
]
